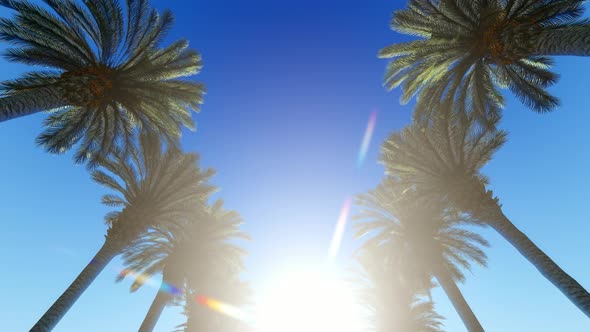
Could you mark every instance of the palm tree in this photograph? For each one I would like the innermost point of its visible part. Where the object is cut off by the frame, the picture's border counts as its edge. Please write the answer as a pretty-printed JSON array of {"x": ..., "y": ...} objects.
[
  {"x": 469, "y": 49},
  {"x": 393, "y": 302},
  {"x": 156, "y": 187},
  {"x": 444, "y": 157},
  {"x": 195, "y": 253},
  {"x": 228, "y": 290},
  {"x": 426, "y": 239},
  {"x": 104, "y": 75}
]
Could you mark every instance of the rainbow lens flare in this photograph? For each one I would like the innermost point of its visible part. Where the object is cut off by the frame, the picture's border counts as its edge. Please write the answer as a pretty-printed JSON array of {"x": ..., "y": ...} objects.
[
  {"x": 367, "y": 138},
  {"x": 143, "y": 279},
  {"x": 223, "y": 308},
  {"x": 340, "y": 227},
  {"x": 170, "y": 289}
]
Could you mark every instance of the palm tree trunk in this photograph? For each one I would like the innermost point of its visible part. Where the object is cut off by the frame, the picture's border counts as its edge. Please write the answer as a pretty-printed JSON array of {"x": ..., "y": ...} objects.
[
  {"x": 463, "y": 309},
  {"x": 571, "y": 40},
  {"x": 158, "y": 305},
  {"x": 58, "y": 310},
  {"x": 548, "y": 268},
  {"x": 29, "y": 102}
]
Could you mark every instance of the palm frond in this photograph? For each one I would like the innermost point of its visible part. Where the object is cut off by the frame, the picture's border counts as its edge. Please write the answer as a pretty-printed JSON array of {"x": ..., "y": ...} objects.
[
  {"x": 421, "y": 232},
  {"x": 467, "y": 51},
  {"x": 153, "y": 186},
  {"x": 111, "y": 79}
]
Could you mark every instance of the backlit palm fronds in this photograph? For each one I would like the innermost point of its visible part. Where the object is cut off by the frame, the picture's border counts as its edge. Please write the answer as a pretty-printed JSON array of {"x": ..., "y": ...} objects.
[
  {"x": 443, "y": 158},
  {"x": 425, "y": 239},
  {"x": 467, "y": 51},
  {"x": 421, "y": 233},
  {"x": 152, "y": 185},
  {"x": 105, "y": 76},
  {"x": 184, "y": 247},
  {"x": 196, "y": 256},
  {"x": 392, "y": 301}
]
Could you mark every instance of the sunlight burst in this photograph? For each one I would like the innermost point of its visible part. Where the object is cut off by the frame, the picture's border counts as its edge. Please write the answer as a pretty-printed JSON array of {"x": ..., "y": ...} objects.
[{"x": 311, "y": 302}]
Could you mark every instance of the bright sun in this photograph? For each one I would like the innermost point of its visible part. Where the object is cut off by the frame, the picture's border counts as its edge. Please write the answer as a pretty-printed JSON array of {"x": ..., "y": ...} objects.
[{"x": 310, "y": 302}]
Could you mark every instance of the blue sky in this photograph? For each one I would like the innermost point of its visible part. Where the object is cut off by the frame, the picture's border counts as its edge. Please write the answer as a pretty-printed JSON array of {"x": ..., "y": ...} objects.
[{"x": 291, "y": 85}]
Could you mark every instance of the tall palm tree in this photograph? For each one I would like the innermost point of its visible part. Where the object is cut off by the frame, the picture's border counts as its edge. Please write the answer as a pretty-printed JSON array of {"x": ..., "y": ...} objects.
[
  {"x": 155, "y": 187},
  {"x": 195, "y": 253},
  {"x": 469, "y": 49},
  {"x": 105, "y": 74},
  {"x": 425, "y": 238},
  {"x": 444, "y": 157},
  {"x": 394, "y": 302}
]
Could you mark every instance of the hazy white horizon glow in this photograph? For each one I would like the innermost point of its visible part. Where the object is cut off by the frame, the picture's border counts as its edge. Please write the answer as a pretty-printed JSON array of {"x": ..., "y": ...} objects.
[{"x": 310, "y": 302}]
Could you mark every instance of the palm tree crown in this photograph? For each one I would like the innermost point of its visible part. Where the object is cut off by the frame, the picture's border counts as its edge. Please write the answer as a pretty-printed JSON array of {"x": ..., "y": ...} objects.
[
  {"x": 443, "y": 158},
  {"x": 154, "y": 187},
  {"x": 196, "y": 256},
  {"x": 470, "y": 49},
  {"x": 420, "y": 233},
  {"x": 392, "y": 301},
  {"x": 425, "y": 238},
  {"x": 105, "y": 76},
  {"x": 196, "y": 250}
]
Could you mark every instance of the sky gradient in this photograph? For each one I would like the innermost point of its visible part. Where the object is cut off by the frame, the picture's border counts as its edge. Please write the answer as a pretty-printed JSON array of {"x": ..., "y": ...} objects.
[{"x": 291, "y": 87}]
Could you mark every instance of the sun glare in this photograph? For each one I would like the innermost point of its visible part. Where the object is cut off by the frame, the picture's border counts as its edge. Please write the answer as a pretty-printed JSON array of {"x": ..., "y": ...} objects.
[{"x": 311, "y": 302}]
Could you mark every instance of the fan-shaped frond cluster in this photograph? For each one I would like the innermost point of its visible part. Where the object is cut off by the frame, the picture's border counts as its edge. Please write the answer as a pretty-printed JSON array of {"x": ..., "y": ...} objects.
[
  {"x": 422, "y": 234},
  {"x": 196, "y": 249},
  {"x": 153, "y": 185},
  {"x": 197, "y": 256},
  {"x": 105, "y": 76},
  {"x": 393, "y": 303},
  {"x": 468, "y": 50},
  {"x": 443, "y": 156}
]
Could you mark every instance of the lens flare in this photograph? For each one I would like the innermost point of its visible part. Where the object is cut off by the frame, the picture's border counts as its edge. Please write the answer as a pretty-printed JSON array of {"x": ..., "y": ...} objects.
[
  {"x": 143, "y": 279},
  {"x": 213, "y": 304},
  {"x": 340, "y": 227},
  {"x": 223, "y": 308},
  {"x": 170, "y": 289},
  {"x": 367, "y": 139}
]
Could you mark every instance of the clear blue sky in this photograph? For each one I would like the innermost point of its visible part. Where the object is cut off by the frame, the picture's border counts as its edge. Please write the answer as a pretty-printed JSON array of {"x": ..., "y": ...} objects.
[{"x": 291, "y": 85}]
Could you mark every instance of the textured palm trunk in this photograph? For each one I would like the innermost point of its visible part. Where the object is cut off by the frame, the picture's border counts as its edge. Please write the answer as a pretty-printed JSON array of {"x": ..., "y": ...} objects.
[
  {"x": 158, "y": 305},
  {"x": 574, "y": 40},
  {"x": 30, "y": 102},
  {"x": 493, "y": 214},
  {"x": 459, "y": 303},
  {"x": 58, "y": 310}
]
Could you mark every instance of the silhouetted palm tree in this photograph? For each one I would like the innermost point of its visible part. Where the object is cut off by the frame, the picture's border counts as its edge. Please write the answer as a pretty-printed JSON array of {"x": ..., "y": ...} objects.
[
  {"x": 194, "y": 253},
  {"x": 426, "y": 239},
  {"x": 228, "y": 290},
  {"x": 156, "y": 187},
  {"x": 105, "y": 75},
  {"x": 393, "y": 301},
  {"x": 469, "y": 49},
  {"x": 445, "y": 157}
]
